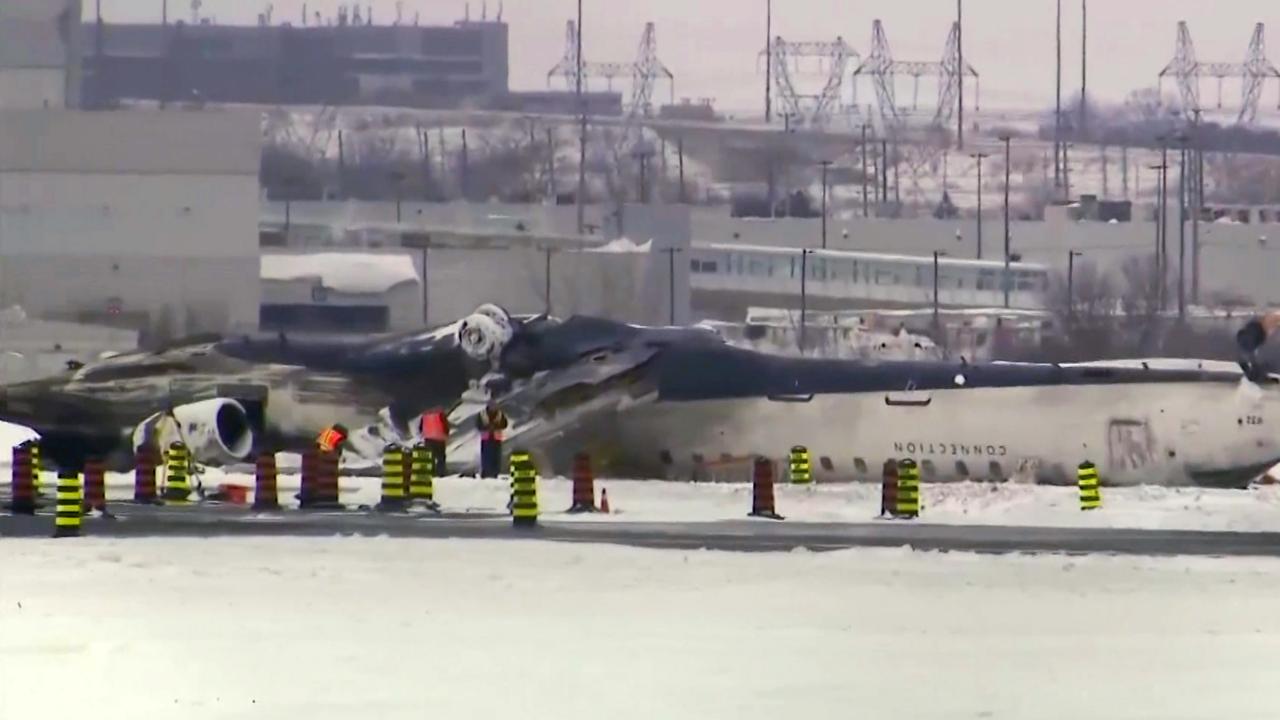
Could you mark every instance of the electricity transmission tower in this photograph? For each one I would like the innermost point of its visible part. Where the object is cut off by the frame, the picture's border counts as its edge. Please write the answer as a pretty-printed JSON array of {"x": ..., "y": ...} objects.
[
  {"x": 644, "y": 73},
  {"x": 830, "y": 59},
  {"x": 924, "y": 154},
  {"x": 883, "y": 70},
  {"x": 1187, "y": 71}
]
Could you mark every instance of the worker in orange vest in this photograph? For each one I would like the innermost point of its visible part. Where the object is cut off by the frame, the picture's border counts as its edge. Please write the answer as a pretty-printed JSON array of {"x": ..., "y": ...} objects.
[
  {"x": 491, "y": 422},
  {"x": 332, "y": 439},
  {"x": 435, "y": 435}
]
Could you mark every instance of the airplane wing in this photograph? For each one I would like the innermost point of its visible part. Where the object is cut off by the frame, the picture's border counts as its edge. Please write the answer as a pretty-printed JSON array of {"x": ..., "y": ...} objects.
[{"x": 551, "y": 401}]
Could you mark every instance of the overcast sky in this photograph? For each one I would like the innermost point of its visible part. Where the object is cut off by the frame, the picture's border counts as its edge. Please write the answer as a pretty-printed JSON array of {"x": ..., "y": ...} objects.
[{"x": 711, "y": 45}]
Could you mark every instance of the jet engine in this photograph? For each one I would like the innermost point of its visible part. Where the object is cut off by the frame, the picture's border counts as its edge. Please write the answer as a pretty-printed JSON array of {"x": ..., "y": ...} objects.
[
  {"x": 483, "y": 334},
  {"x": 216, "y": 430}
]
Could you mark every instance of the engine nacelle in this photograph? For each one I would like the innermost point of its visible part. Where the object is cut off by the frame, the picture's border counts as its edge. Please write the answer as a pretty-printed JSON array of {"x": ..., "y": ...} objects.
[
  {"x": 500, "y": 317},
  {"x": 216, "y": 430},
  {"x": 480, "y": 337}
]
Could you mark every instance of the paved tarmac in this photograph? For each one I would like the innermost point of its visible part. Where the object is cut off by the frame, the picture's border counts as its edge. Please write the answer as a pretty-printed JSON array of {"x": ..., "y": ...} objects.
[{"x": 746, "y": 535}]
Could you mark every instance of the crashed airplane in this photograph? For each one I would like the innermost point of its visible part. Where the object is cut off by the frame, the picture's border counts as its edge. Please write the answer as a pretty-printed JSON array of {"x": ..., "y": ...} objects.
[{"x": 674, "y": 402}]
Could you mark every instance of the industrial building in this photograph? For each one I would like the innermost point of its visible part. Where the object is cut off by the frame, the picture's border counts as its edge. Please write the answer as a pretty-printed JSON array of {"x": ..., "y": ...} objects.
[
  {"x": 39, "y": 54},
  {"x": 347, "y": 62},
  {"x": 340, "y": 292},
  {"x": 145, "y": 220}
]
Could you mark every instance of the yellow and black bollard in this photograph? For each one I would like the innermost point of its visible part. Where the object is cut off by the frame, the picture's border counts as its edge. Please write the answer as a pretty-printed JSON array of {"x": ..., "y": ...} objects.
[
  {"x": 422, "y": 488},
  {"x": 800, "y": 469},
  {"x": 35, "y": 468},
  {"x": 1090, "y": 493},
  {"x": 392, "y": 499},
  {"x": 70, "y": 508},
  {"x": 177, "y": 487},
  {"x": 524, "y": 490},
  {"x": 908, "y": 489}
]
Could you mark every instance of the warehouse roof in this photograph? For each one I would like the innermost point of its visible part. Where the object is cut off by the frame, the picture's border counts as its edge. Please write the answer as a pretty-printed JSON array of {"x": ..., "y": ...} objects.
[{"x": 343, "y": 272}]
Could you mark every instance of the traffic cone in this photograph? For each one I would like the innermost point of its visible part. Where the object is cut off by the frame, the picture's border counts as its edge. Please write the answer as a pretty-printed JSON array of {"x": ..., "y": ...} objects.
[
  {"x": 584, "y": 492},
  {"x": 604, "y": 500},
  {"x": 762, "y": 500}
]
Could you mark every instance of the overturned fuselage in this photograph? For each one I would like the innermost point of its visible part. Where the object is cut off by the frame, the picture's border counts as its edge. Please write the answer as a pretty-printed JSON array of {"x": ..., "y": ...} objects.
[{"x": 673, "y": 402}]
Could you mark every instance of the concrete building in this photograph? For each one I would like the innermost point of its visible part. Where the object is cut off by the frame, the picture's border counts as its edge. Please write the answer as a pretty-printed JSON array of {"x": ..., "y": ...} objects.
[
  {"x": 39, "y": 54},
  {"x": 341, "y": 292},
  {"x": 348, "y": 62},
  {"x": 523, "y": 257},
  {"x": 1237, "y": 260},
  {"x": 145, "y": 220}
]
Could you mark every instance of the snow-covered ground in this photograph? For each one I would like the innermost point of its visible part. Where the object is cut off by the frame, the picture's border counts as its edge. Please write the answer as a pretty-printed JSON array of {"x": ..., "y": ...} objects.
[
  {"x": 343, "y": 628},
  {"x": 1147, "y": 507}
]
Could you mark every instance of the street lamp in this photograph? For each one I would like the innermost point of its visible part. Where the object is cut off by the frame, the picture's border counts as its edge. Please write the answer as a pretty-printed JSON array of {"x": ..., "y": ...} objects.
[
  {"x": 671, "y": 282},
  {"x": 1182, "y": 224},
  {"x": 397, "y": 177},
  {"x": 290, "y": 183},
  {"x": 546, "y": 279},
  {"x": 826, "y": 166},
  {"x": 804, "y": 295},
  {"x": 866, "y": 209},
  {"x": 579, "y": 197},
  {"x": 1164, "y": 215},
  {"x": 936, "y": 255},
  {"x": 979, "y": 157},
  {"x": 1071, "y": 268},
  {"x": 1161, "y": 171},
  {"x": 1007, "y": 162},
  {"x": 642, "y": 154}
]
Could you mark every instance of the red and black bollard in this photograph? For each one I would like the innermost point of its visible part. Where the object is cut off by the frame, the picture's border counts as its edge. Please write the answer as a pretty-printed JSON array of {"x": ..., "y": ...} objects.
[
  {"x": 762, "y": 504},
  {"x": 145, "y": 460},
  {"x": 584, "y": 485},
  {"x": 24, "y": 481},
  {"x": 310, "y": 478},
  {"x": 266, "y": 496},
  {"x": 319, "y": 481},
  {"x": 889, "y": 490},
  {"x": 95, "y": 486}
]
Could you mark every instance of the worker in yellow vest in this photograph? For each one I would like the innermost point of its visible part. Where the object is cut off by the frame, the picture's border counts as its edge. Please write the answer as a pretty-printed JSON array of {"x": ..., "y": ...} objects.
[{"x": 491, "y": 422}]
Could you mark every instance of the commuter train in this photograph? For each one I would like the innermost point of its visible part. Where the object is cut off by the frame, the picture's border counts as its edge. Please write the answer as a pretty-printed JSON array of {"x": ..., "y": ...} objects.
[{"x": 866, "y": 276}]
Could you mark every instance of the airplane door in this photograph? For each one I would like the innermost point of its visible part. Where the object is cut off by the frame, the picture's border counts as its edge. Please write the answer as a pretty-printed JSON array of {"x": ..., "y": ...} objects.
[
  {"x": 1131, "y": 446},
  {"x": 908, "y": 398}
]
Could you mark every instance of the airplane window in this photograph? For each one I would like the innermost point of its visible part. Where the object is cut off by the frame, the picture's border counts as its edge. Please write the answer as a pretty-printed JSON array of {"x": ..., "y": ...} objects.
[
  {"x": 665, "y": 457},
  {"x": 698, "y": 459},
  {"x": 826, "y": 463},
  {"x": 928, "y": 469},
  {"x": 997, "y": 472},
  {"x": 962, "y": 469},
  {"x": 860, "y": 465}
]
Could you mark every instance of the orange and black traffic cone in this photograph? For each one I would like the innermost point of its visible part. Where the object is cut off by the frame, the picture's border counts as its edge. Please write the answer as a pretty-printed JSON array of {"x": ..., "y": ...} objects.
[
  {"x": 762, "y": 503},
  {"x": 604, "y": 500},
  {"x": 24, "y": 487},
  {"x": 889, "y": 490},
  {"x": 95, "y": 487},
  {"x": 584, "y": 485},
  {"x": 145, "y": 460}
]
